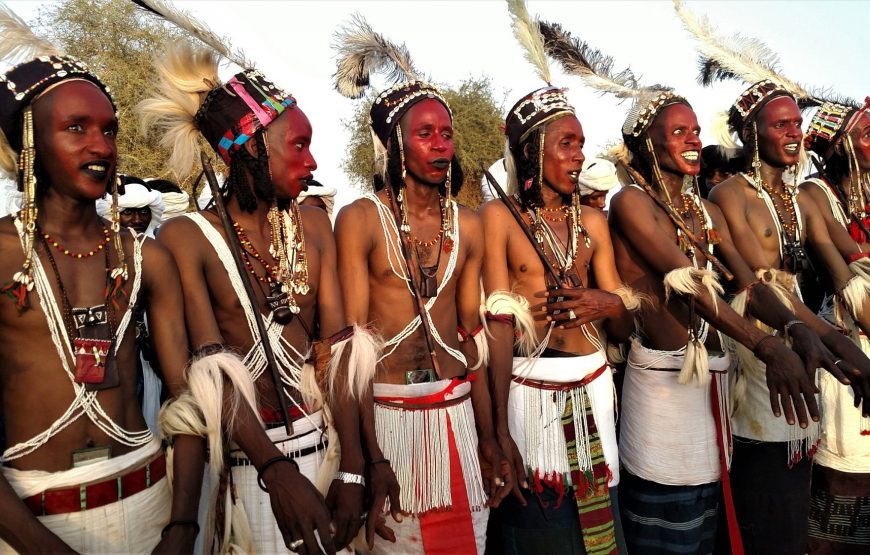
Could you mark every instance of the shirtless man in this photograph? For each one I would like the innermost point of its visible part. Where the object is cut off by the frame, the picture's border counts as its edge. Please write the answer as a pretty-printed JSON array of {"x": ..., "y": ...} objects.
[
  {"x": 290, "y": 253},
  {"x": 562, "y": 368},
  {"x": 412, "y": 213},
  {"x": 81, "y": 470},
  {"x": 771, "y": 225},
  {"x": 839, "y": 135},
  {"x": 656, "y": 257}
]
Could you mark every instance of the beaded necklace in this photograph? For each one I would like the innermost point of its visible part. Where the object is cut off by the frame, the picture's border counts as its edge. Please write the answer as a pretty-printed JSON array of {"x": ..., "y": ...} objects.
[
  {"x": 79, "y": 255},
  {"x": 248, "y": 251}
]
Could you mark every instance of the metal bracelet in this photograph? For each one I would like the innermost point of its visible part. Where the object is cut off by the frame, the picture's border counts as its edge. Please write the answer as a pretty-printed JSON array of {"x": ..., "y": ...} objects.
[{"x": 350, "y": 478}]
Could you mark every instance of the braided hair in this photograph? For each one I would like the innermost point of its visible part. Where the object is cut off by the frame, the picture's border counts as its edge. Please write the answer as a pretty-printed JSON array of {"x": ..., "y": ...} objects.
[
  {"x": 394, "y": 171},
  {"x": 260, "y": 187}
]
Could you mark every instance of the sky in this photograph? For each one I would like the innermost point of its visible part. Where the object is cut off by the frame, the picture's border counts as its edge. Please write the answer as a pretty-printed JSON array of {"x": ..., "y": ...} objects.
[{"x": 820, "y": 44}]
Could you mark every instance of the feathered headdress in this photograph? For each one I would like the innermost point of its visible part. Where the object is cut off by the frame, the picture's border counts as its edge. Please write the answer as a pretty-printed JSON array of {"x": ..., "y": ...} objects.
[
  {"x": 596, "y": 70},
  {"x": 362, "y": 52},
  {"x": 739, "y": 58},
  {"x": 19, "y": 88},
  {"x": 191, "y": 100}
]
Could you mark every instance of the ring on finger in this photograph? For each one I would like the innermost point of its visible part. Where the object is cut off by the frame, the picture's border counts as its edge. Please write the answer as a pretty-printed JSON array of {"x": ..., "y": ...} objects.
[
  {"x": 571, "y": 314},
  {"x": 295, "y": 543},
  {"x": 838, "y": 361}
]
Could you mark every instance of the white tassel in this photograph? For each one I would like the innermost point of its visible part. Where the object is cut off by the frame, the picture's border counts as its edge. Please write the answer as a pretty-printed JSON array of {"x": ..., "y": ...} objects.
[
  {"x": 861, "y": 267},
  {"x": 482, "y": 346},
  {"x": 782, "y": 283},
  {"x": 692, "y": 281},
  {"x": 696, "y": 364},
  {"x": 721, "y": 131},
  {"x": 200, "y": 411},
  {"x": 855, "y": 294},
  {"x": 511, "y": 304},
  {"x": 361, "y": 364},
  {"x": 631, "y": 298},
  {"x": 332, "y": 457}
]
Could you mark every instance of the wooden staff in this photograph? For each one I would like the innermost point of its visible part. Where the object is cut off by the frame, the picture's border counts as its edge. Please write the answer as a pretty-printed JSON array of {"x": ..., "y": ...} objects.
[
  {"x": 236, "y": 249},
  {"x": 678, "y": 221}
]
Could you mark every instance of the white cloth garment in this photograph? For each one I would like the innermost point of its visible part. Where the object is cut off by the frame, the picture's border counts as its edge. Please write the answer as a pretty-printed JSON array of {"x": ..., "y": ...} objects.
[
  {"x": 257, "y": 506},
  {"x": 601, "y": 393},
  {"x": 130, "y": 525},
  {"x": 598, "y": 175},
  {"x": 135, "y": 196},
  {"x": 668, "y": 432}
]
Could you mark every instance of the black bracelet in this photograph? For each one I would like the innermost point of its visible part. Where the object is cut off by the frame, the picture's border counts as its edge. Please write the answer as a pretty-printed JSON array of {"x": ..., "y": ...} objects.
[
  {"x": 172, "y": 523},
  {"x": 379, "y": 461},
  {"x": 270, "y": 462},
  {"x": 757, "y": 345}
]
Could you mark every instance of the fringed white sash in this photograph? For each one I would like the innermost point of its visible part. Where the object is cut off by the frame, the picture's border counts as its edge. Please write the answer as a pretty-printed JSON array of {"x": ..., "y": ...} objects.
[{"x": 416, "y": 441}]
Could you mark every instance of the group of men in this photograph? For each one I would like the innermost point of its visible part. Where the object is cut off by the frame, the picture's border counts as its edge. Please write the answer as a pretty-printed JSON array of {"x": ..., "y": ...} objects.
[{"x": 434, "y": 379}]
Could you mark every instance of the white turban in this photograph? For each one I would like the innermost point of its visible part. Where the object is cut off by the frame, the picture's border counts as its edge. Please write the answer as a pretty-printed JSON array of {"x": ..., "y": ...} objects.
[
  {"x": 327, "y": 194},
  {"x": 598, "y": 175},
  {"x": 12, "y": 197},
  {"x": 135, "y": 196},
  {"x": 174, "y": 204},
  {"x": 499, "y": 173}
]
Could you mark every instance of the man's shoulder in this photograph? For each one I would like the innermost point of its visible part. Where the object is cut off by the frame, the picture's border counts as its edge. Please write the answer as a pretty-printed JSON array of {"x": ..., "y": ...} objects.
[
  {"x": 355, "y": 215},
  {"x": 629, "y": 200},
  {"x": 731, "y": 188}
]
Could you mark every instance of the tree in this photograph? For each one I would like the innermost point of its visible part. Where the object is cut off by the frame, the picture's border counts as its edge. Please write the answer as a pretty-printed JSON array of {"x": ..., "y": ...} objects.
[
  {"x": 120, "y": 43},
  {"x": 476, "y": 120}
]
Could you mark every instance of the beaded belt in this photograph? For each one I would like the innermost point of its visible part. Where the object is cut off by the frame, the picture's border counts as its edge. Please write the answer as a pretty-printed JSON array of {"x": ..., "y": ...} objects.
[{"x": 84, "y": 497}]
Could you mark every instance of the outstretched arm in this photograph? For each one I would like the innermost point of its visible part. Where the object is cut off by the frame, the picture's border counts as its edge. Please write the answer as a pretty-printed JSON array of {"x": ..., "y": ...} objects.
[
  {"x": 500, "y": 480},
  {"x": 165, "y": 309},
  {"x": 638, "y": 219},
  {"x": 354, "y": 244},
  {"x": 298, "y": 507}
]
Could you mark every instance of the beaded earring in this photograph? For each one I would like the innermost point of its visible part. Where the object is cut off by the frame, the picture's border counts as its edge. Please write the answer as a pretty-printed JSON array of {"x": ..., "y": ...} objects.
[
  {"x": 756, "y": 162},
  {"x": 405, "y": 225}
]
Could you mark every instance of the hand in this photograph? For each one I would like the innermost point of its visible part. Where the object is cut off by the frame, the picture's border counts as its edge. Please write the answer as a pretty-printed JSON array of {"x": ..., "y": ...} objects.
[
  {"x": 509, "y": 448},
  {"x": 345, "y": 502},
  {"x": 809, "y": 346},
  {"x": 178, "y": 539},
  {"x": 383, "y": 485},
  {"x": 586, "y": 305},
  {"x": 299, "y": 509},
  {"x": 787, "y": 381},
  {"x": 853, "y": 366},
  {"x": 497, "y": 472}
]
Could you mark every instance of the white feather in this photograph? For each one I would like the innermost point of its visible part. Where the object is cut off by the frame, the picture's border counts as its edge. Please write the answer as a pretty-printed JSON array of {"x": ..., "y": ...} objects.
[
  {"x": 529, "y": 36},
  {"x": 17, "y": 40}
]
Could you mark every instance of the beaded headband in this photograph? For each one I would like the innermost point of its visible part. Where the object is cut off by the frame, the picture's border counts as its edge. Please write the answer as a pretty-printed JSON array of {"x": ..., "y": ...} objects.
[
  {"x": 645, "y": 109},
  {"x": 536, "y": 109},
  {"x": 393, "y": 103},
  {"x": 830, "y": 123}
]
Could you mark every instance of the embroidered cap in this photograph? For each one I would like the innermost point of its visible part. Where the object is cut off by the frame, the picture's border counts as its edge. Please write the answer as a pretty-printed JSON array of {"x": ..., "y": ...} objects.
[
  {"x": 537, "y": 108},
  {"x": 389, "y": 107}
]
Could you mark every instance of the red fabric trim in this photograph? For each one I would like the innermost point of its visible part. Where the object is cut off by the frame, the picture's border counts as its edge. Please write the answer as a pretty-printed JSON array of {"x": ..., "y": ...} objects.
[
  {"x": 858, "y": 256},
  {"x": 69, "y": 500},
  {"x": 550, "y": 386},
  {"x": 500, "y": 318},
  {"x": 450, "y": 530},
  {"x": 730, "y": 512},
  {"x": 437, "y": 397}
]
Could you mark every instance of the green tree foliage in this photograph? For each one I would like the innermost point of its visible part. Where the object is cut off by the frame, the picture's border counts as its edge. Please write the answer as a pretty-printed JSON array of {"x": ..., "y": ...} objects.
[
  {"x": 120, "y": 43},
  {"x": 479, "y": 141}
]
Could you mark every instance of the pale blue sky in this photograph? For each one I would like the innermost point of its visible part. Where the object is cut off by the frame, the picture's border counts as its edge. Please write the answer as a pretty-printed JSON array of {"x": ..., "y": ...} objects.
[{"x": 819, "y": 43}]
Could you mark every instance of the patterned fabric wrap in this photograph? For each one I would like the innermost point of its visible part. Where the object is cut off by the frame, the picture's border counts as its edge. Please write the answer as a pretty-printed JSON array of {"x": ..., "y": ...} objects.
[
  {"x": 751, "y": 101},
  {"x": 590, "y": 488},
  {"x": 537, "y": 108},
  {"x": 839, "y": 519},
  {"x": 389, "y": 107},
  {"x": 22, "y": 84},
  {"x": 829, "y": 124},
  {"x": 231, "y": 114},
  {"x": 645, "y": 109}
]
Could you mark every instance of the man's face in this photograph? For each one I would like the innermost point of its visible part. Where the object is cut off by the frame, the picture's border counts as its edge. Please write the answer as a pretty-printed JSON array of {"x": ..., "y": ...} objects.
[
  {"x": 74, "y": 134},
  {"x": 779, "y": 132},
  {"x": 563, "y": 154},
  {"x": 860, "y": 135},
  {"x": 137, "y": 218},
  {"x": 718, "y": 177},
  {"x": 675, "y": 136},
  {"x": 427, "y": 135},
  {"x": 290, "y": 160},
  {"x": 595, "y": 200}
]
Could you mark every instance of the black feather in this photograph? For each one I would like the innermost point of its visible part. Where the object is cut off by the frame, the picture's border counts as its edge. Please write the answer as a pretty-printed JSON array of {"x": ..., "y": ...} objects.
[{"x": 709, "y": 71}]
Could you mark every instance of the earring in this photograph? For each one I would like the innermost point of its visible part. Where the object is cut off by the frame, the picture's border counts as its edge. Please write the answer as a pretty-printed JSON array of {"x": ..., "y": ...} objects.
[{"x": 756, "y": 162}]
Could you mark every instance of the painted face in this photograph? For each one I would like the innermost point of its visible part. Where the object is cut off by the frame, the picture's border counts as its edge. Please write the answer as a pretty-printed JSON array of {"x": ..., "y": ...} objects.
[
  {"x": 676, "y": 140},
  {"x": 779, "y": 132},
  {"x": 137, "y": 218},
  {"x": 860, "y": 135},
  {"x": 74, "y": 133},
  {"x": 290, "y": 160},
  {"x": 563, "y": 154},
  {"x": 595, "y": 200},
  {"x": 427, "y": 134}
]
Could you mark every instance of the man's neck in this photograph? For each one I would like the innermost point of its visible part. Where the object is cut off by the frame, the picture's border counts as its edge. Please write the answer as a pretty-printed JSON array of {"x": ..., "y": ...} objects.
[
  {"x": 252, "y": 222},
  {"x": 551, "y": 198},
  {"x": 421, "y": 200},
  {"x": 64, "y": 216},
  {"x": 673, "y": 184},
  {"x": 772, "y": 176}
]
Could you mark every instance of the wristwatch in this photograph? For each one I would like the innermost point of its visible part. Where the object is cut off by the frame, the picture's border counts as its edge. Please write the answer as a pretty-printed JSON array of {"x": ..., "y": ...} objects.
[{"x": 350, "y": 478}]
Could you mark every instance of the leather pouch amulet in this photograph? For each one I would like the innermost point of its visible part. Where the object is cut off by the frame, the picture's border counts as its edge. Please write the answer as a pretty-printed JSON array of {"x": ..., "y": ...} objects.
[{"x": 93, "y": 356}]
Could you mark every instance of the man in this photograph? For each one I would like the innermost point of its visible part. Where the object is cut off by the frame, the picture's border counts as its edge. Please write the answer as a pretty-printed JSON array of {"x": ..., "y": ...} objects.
[
  {"x": 175, "y": 201},
  {"x": 264, "y": 138},
  {"x": 409, "y": 260},
  {"x": 563, "y": 374},
  {"x": 839, "y": 134},
  {"x": 771, "y": 226},
  {"x": 717, "y": 165},
  {"x": 141, "y": 208},
  {"x": 596, "y": 180},
  {"x": 81, "y": 471},
  {"x": 319, "y": 196},
  {"x": 659, "y": 232}
]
